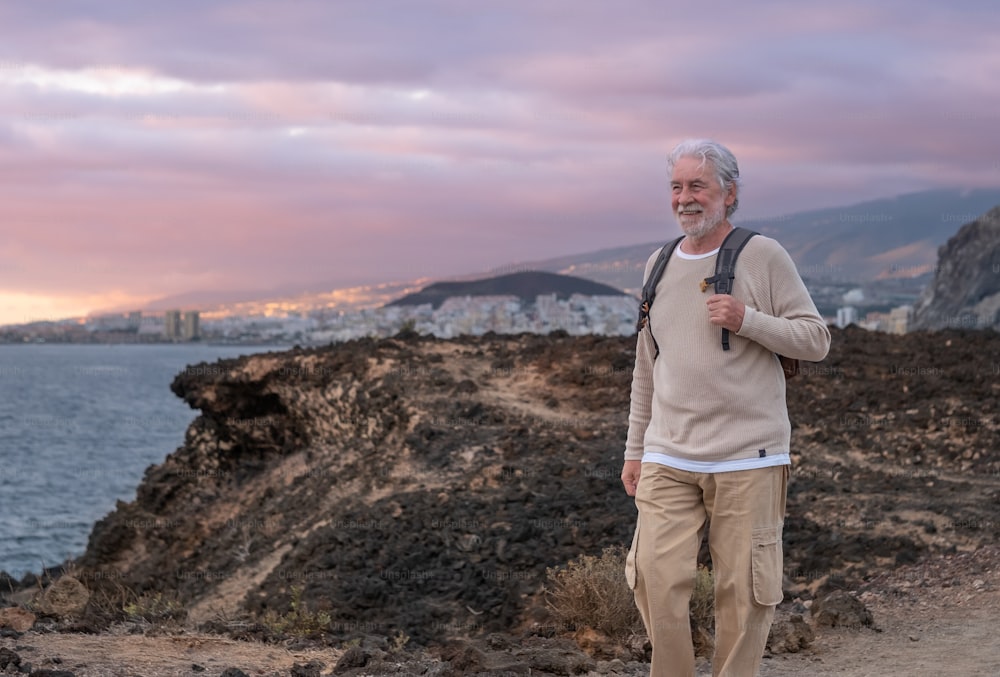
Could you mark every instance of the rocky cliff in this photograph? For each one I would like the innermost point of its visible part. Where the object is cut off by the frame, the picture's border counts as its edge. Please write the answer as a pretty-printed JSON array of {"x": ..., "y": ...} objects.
[
  {"x": 965, "y": 291},
  {"x": 423, "y": 486}
]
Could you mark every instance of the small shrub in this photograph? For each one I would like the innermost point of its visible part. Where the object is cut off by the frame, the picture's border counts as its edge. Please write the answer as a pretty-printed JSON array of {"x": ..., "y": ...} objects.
[
  {"x": 155, "y": 608},
  {"x": 399, "y": 640},
  {"x": 297, "y": 621},
  {"x": 702, "y": 611},
  {"x": 592, "y": 592}
]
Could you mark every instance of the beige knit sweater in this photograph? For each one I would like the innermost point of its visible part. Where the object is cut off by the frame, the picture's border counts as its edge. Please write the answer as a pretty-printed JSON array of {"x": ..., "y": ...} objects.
[{"x": 700, "y": 403}]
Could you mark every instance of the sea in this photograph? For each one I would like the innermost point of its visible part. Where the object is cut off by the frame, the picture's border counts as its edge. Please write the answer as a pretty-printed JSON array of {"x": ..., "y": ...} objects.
[{"x": 79, "y": 425}]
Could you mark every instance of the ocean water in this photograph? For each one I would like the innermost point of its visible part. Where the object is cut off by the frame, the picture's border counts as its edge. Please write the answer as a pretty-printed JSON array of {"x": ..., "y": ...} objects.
[{"x": 79, "y": 425}]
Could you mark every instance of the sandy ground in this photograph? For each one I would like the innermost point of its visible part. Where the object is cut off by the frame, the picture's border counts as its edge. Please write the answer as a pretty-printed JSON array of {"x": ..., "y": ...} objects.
[
  {"x": 928, "y": 638},
  {"x": 946, "y": 631}
]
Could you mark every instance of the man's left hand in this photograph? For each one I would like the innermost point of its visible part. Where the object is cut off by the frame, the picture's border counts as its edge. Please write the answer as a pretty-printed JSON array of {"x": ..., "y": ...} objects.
[{"x": 725, "y": 311}]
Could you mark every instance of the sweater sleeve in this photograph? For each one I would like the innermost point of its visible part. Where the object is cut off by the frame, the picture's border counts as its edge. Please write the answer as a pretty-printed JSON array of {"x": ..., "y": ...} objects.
[
  {"x": 641, "y": 403},
  {"x": 794, "y": 327}
]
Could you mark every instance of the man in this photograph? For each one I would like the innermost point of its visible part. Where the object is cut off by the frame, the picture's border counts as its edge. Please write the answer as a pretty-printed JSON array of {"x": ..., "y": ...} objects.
[{"x": 708, "y": 437}]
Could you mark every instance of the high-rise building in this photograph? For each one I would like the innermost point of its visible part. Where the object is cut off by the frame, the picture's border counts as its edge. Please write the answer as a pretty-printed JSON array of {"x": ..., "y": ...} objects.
[
  {"x": 192, "y": 331},
  {"x": 900, "y": 319},
  {"x": 846, "y": 315},
  {"x": 172, "y": 325}
]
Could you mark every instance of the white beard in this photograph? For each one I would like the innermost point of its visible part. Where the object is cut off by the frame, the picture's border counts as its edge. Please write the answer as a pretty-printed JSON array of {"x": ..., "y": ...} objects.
[{"x": 696, "y": 228}]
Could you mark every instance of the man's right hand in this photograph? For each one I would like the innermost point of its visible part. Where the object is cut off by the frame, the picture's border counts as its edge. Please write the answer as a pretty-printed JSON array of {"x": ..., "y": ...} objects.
[{"x": 630, "y": 476}]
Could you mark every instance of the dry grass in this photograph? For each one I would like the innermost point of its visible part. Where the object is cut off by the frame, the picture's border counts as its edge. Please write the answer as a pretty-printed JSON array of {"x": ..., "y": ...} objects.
[
  {"x": 591, "y": 592},
  {"x": 298, "y": 621}
]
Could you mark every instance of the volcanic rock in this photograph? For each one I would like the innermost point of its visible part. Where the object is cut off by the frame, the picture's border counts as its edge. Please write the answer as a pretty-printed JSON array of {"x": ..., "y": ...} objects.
[
  {"x": 965, "y": 291},
  {"x": 422, "y": 487},
  {"x": 8, "y": 657},
  {"x": 841, "y": 610},
  {"x": 16, "y": 618},
  {"x": 789, "y": 635}
]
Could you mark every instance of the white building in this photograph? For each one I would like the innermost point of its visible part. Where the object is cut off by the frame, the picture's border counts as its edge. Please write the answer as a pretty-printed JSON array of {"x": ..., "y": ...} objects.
[{"x": 846, "y": 315}]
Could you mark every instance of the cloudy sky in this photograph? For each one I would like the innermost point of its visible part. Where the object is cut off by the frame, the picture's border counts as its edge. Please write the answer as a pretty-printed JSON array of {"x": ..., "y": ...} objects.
[{"x": 160, "y": 147}]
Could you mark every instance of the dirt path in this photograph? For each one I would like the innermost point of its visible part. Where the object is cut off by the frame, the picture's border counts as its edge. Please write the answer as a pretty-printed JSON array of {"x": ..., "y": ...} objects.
[
  {"x": 916, "y": 640},
  {"x": 164, "y": 656},
  {"x": 946, "y": 631}
]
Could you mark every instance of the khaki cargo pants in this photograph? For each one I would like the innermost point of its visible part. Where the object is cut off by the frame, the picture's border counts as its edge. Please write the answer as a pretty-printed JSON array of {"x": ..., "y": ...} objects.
[{"x": 746, "y": 509}]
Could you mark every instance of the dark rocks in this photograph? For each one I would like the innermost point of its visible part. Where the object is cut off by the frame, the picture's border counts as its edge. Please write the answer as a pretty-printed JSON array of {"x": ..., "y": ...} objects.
[
  {"x": 841, "y": 610},
  {"x": 355, "y": 657},
  {"x": 789, "y": 635},
  {"x": 310, "y": 669},
  {"x": 8, "y": 657},
  {"x": 233, "y": 672},
  {"x": 421, "y": 488}
]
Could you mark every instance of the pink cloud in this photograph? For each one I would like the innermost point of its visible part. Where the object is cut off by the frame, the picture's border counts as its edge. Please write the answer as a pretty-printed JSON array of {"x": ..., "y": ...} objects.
[{"x": 346, "y": 142}]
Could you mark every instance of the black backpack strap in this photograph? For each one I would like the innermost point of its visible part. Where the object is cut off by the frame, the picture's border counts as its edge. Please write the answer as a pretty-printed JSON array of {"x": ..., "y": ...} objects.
[
  {"x": 725, "y": 267},
  {"x": 649, "y": 287}
]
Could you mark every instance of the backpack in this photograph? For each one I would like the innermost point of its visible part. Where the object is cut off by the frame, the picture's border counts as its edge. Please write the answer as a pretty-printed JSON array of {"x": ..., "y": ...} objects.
[{"x": 725, "y": 273}]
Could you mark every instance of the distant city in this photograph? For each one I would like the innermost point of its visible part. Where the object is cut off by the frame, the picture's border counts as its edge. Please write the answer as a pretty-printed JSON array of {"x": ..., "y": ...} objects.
[{"x": 469, "y": 315}]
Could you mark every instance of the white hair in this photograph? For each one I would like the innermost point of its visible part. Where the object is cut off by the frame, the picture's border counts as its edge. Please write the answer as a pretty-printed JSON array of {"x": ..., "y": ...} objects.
[{"x": 721, "y": 158}]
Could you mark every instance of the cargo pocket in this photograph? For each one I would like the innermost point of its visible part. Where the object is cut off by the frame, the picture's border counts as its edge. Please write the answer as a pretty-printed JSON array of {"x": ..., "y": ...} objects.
[
  {"x": 630, "y": 577},
  {"x": 765, "y": 565}
]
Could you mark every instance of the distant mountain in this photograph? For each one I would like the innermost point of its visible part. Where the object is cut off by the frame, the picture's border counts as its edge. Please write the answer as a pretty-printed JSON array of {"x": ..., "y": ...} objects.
[
  {"x": 525, "y": 285},
  {"x": 881, "y": 239},
  {"x": 888, "y": 238},
  {"x": 965, "y": 291}
]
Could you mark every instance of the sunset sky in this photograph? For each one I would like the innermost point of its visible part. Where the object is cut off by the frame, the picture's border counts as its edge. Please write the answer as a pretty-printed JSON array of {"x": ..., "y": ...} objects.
[{"x": 155, "y": 148}]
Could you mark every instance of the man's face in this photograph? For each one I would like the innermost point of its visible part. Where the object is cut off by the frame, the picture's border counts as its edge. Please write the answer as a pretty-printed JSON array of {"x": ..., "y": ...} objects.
[{"x": 698, "y": 201}]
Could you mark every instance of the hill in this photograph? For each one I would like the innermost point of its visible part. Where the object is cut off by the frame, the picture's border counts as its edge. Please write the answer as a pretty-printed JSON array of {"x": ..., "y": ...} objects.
[
  {"x": 889, "y": 238},
  {"x": 427, "y": 484},
  {"x": 420, "y": 488},
  {"x": 965, "y": 291},
  {"x": 525, "y": 285}
]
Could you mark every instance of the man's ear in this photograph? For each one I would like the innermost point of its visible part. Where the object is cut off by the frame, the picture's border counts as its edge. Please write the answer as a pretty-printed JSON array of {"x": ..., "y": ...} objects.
[{"x": 731, "y": 195}]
